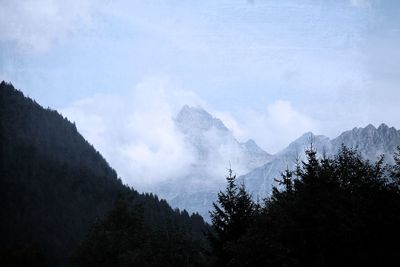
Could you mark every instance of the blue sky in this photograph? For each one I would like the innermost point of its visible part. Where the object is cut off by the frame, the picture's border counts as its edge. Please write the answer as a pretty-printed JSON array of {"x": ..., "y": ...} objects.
[
  {"x": 229, "y": 52},
  {"x": 270, "y": 69}
]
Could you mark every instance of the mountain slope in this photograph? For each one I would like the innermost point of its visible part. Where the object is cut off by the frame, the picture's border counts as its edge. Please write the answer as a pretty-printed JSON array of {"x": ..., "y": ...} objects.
[
  {"x": 54, "y": 185},
  {"x": 371, "y": 142},
  {"x": 214, "y": 144},
  {"x": 214, "y": 148}
]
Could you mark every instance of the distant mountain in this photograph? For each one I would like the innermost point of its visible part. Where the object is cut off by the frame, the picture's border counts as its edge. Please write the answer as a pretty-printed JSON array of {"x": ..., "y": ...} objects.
[
  {"x": 214, "y": 143},
  {"x": 195, "y": 120},
  {"x": 215, "y": 148},
  {"x": 371, "y": 142},
  {"x": 54, "y": 185}
]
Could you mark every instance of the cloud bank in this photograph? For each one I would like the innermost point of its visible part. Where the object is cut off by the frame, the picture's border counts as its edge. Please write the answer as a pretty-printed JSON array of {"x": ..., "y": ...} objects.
[
  {"x": 274, "y": 127},
  {"x": 38, "y": 24},
  {"x": 136, "y": 132}
]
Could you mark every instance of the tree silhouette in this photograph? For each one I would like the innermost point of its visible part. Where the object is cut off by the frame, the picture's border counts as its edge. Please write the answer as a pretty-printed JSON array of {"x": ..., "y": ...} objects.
[
  {"x": 336, "y": 211},
  {"x": 231, "y": 217}
]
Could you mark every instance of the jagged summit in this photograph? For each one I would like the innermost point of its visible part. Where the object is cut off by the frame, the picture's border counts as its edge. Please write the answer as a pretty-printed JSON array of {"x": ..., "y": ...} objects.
[
  {"x": 383, "y": 127},
  {"x": 320, "y": 143},
  {"x": 252, "y": 146},
  {"x": 370, "y": 141},
  {"x": 196, "y": 118},
  {"x": 386, "y": 130},
  {"x": 214, "y": 142},
  {"x": 308, "y": 138},
  {"x": 368, "y": 131},
  {"x": 370, "y": 127}
]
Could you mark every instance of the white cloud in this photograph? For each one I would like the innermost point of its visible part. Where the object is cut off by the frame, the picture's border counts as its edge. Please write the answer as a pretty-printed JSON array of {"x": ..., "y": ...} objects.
[
  {"x": 231, "y": 123},
  {"x": 36, "y": 25},
  {"x": 275, "y": 127},
  {"x": 136, "y": 133},
  {"x": 282, "y": 114}
]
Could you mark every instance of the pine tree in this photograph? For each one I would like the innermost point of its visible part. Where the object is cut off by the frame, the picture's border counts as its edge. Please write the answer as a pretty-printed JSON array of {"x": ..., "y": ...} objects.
[
  {"x": 223, "y": 212},
  {"x": 231, "y": 218}
]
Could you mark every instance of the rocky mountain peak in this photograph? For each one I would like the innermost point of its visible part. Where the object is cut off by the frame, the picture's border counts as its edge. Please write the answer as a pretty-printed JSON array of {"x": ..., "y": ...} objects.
[
  {"x": 251, "y": 144},
  {"x": 383, "y": 127},
  {"x": 385, "y": 130},
  {"x": 318, "y": 141},
  {"x": 252, "y": 147},
  {"x": 196, "y": 118},
  {"x": 370, "y": 127},
  {"x": 369, "y": 132}
]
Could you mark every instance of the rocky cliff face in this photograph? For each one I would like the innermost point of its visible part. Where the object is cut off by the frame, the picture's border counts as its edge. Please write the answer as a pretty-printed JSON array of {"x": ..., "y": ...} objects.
[{"x": 371, "y": 142}]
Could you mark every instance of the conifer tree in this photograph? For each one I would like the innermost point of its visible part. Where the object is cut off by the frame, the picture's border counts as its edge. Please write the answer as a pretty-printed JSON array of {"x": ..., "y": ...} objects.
[{"x": 231, "y": 217}]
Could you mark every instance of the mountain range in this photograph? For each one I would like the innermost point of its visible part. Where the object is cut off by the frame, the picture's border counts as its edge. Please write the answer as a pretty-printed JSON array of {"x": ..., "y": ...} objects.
[
  {"x": 217, "y": 149},
  {"x": 370, "y": 142}
]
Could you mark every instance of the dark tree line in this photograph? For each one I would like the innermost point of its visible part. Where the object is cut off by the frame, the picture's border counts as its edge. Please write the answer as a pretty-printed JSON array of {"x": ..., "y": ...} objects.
[
  {"x": 339, "y": 211},
  {"x": 123, "y": 238}
]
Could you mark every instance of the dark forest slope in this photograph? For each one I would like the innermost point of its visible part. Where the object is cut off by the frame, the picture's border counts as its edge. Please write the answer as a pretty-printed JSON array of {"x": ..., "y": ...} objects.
[{"x": 54, "y": 185}]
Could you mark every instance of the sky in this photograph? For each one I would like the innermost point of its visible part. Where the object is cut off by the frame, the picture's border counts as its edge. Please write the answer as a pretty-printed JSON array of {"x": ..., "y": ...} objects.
[{"x": 271, "y": 70}]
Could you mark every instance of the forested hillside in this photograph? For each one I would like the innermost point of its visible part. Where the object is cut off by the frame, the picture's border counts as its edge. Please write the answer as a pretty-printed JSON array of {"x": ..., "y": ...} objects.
[{"x": 55, "y": 187}]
